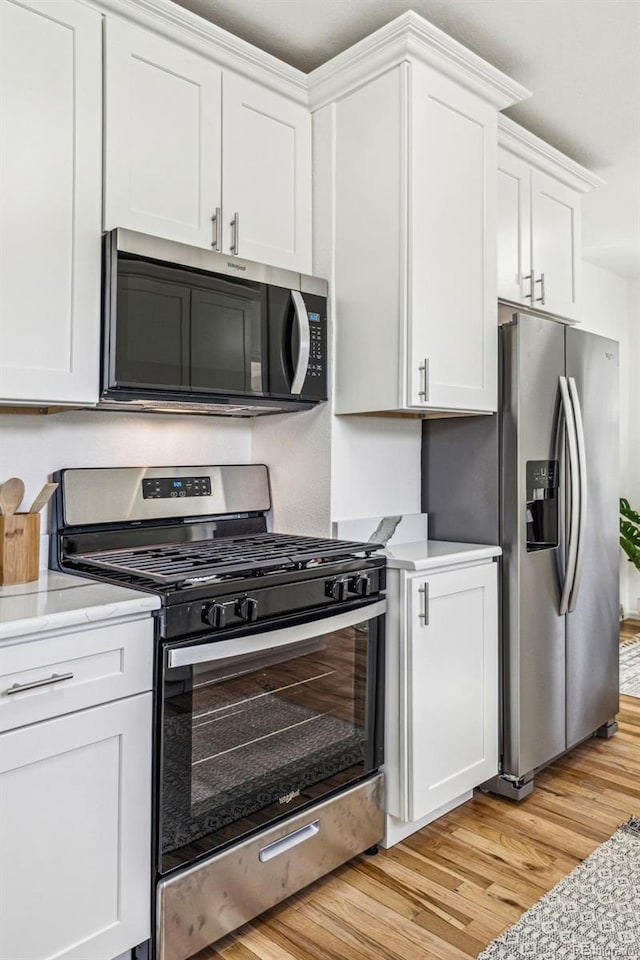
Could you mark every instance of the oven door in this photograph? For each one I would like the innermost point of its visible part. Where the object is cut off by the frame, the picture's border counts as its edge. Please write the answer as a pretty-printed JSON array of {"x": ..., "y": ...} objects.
[{"x": 263, "y": 723}]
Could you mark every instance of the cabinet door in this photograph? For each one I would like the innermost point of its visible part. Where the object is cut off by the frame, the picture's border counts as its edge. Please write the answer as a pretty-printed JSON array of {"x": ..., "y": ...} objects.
[
  {"x": 555, "y": 217},
  {"x": 515, "y": 282},
  {"x": 266, "y": 176},
  {"x": 452, "y": 343},
  {"x": 50, "y": 197},
  {"x": 162, "y": 137},
  {"x": 451, "y": 707},
  {"x": 75, "y": 834}
]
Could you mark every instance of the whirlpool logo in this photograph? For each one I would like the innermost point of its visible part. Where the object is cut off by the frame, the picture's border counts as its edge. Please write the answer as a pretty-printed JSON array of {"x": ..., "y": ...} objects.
[
  {"x": 288, "y": 797},
  {"x": 235, "y": 266}
]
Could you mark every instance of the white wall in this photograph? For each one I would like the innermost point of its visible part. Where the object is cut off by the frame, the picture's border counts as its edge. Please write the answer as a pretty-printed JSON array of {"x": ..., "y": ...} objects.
[
  {"x": 375, "y": 467},
  {"x": 632, "y": 604},
  {"x": 297, "y": 449},
  {"x": 607, "y": 310},
  {"x": 32, "y": 446}
]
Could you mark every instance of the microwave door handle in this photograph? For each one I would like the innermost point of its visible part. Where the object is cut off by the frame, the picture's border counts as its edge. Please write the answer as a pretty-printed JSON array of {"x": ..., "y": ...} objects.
[{"x": 304, "y": 339}]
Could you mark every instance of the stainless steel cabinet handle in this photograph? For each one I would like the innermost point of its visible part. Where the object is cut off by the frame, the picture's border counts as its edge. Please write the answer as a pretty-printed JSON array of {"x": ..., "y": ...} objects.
[
  {"x": 582, "y": 479},
  {"x": 424, "y": 611},
  {"x": 54, "y": 678},
  {"x": 291, "y": 840},
  {"x": 529, "y": 295},
  {"x": 216, "y": 220},
  {"x": 304, "y": 340},
  {"x": 423, "y": 369},
  {"x": 572, "y": 552},
  {"x": 235, "y": 227},
  {"x": 540, "y": 299}
]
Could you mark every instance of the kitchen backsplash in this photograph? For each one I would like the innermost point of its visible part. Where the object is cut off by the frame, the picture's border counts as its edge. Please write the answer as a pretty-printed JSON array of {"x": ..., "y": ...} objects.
[{"x": 404, "y": 528}]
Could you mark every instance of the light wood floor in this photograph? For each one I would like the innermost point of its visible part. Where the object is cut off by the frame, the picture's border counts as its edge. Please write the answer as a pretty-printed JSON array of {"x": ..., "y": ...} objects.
[
  {"x": 628, "y": 629},
  {"x": 450, "y": 889}
]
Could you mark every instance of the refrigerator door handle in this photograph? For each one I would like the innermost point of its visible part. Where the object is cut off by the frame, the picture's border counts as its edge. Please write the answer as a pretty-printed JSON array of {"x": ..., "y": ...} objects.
[
  {"x": 570, "y": 427},
  {"x": 582, "y": 479}
]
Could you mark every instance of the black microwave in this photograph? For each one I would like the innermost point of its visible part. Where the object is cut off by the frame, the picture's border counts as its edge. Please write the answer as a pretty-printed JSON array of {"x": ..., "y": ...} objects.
[{"x": 194, "y": 331}]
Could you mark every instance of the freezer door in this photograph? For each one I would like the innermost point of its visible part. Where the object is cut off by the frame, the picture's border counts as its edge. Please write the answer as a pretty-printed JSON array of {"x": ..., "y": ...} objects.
[
  {"x": 533, "y": 629},
  {"x": 592, "y": 623}
]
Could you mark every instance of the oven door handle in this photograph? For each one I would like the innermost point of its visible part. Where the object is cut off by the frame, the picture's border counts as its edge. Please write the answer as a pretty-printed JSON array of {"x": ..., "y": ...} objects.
[{"x": 255, "y": 642}]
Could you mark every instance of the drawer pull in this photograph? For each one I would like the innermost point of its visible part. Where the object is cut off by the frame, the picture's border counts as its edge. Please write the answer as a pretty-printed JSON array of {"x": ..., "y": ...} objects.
[
  {"x": 54, "y": 678},
  {"x": 291, "y": 840}
]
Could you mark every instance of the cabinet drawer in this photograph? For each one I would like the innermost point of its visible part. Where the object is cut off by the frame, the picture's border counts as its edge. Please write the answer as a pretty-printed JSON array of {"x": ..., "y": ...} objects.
[{"x": 73, "y": 670}]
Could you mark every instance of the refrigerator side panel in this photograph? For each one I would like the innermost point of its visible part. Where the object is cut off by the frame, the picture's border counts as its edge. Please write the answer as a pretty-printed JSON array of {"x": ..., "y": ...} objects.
[
  {"x": 533, "y": 630},
  {"x": 592, "y": 627}
]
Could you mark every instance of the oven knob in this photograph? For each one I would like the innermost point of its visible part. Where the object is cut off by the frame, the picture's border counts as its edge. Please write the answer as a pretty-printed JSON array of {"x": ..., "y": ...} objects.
[
  {"x": 247, "y": 609},
  {"x": 360, "y": 585},
  {"x": 336, "y": 589},
  {"x": 214, "y": 614}
]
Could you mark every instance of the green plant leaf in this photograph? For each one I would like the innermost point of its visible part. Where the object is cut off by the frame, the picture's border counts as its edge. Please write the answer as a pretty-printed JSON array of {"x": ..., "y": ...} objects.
[{"x": 630, "y": 532}]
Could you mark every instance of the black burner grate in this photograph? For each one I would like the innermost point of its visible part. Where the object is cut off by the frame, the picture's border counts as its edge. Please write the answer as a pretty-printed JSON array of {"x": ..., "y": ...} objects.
[{"x": 175, "y": 563}]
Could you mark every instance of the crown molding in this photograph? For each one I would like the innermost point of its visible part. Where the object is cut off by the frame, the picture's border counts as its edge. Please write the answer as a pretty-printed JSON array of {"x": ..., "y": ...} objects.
[
  {"x": 212, "y": 42},
  {"x": 410, "y": 37},
  {"x": 522, "y": 143}
]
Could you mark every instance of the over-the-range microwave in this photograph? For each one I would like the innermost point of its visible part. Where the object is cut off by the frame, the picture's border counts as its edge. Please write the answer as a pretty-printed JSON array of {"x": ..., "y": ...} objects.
[{"x": 194, "y": 331}]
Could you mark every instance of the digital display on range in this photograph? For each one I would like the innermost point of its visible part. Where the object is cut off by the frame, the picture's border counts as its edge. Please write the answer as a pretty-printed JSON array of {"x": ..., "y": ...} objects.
[{"x": 163, "y": 488}]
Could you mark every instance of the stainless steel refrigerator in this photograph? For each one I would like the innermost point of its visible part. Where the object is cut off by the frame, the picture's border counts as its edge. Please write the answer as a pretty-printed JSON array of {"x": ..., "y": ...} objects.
[{"x": 541, "y": 478}]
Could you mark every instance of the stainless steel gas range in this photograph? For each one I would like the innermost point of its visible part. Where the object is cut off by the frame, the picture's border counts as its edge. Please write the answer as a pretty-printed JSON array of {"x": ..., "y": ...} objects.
[{"x": 269, "y": 684}]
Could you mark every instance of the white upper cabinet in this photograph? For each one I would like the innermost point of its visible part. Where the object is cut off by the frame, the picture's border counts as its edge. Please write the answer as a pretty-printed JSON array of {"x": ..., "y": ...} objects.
[
  {"x": 539, "y": 236},
  {"x": 413, "y": 189},
  {"x": 201, "y": 155},
  {"x": 162, "y": 136},
  {"x": 266, "y": 175},
  {"x": 50, "y": 197},
  {"x": 451, "y": 360}
]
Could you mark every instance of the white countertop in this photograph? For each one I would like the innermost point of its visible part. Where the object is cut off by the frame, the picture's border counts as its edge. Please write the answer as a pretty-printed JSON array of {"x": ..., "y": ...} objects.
[
  {"x": 432, "y": 554},
  {"x": 58, "y": 600}
]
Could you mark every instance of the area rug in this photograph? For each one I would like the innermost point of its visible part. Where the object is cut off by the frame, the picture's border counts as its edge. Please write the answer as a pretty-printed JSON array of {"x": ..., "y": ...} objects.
[
  {"x": 630, "y": 666},
  {"x": 593, "y": 914}
]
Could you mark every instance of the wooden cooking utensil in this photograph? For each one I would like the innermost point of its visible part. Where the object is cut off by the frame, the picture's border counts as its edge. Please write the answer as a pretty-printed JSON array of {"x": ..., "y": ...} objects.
[
  {"x": 11, "y": 494},
  {"x": 43, "y": 497}
]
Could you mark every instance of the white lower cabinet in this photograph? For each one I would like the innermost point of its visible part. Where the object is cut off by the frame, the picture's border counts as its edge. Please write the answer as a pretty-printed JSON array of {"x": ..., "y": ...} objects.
[
  {"x": 75, "y": 826},
  {"x": 442, "y": 691}
]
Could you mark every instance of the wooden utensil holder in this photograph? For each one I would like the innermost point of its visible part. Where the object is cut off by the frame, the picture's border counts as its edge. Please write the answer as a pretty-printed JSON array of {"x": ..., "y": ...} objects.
[{"x": 19, "y": 548}]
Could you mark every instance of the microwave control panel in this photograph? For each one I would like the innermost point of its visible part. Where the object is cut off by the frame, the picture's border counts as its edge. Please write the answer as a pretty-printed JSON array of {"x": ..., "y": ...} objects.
[{"x": 164, "y": 488}]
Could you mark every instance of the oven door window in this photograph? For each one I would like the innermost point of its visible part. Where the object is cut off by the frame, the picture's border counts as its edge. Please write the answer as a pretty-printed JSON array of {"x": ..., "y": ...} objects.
[
  {"x": 179, "y": 333},
  {"x": 248, "y": 739}
]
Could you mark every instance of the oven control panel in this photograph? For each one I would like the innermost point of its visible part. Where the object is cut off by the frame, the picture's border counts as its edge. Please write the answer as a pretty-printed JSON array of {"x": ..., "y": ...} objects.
[{"x": 163, "y": 488}]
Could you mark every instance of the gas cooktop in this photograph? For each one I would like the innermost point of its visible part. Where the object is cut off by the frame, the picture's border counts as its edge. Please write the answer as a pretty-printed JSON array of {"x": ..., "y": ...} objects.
[
  {"x": 197, "y": 537},
  {"x": 196, "y": 561}
]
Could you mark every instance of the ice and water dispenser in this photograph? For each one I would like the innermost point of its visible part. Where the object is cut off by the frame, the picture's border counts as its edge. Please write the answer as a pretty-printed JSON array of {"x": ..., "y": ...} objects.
[{"x": 542, "y": 504}]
